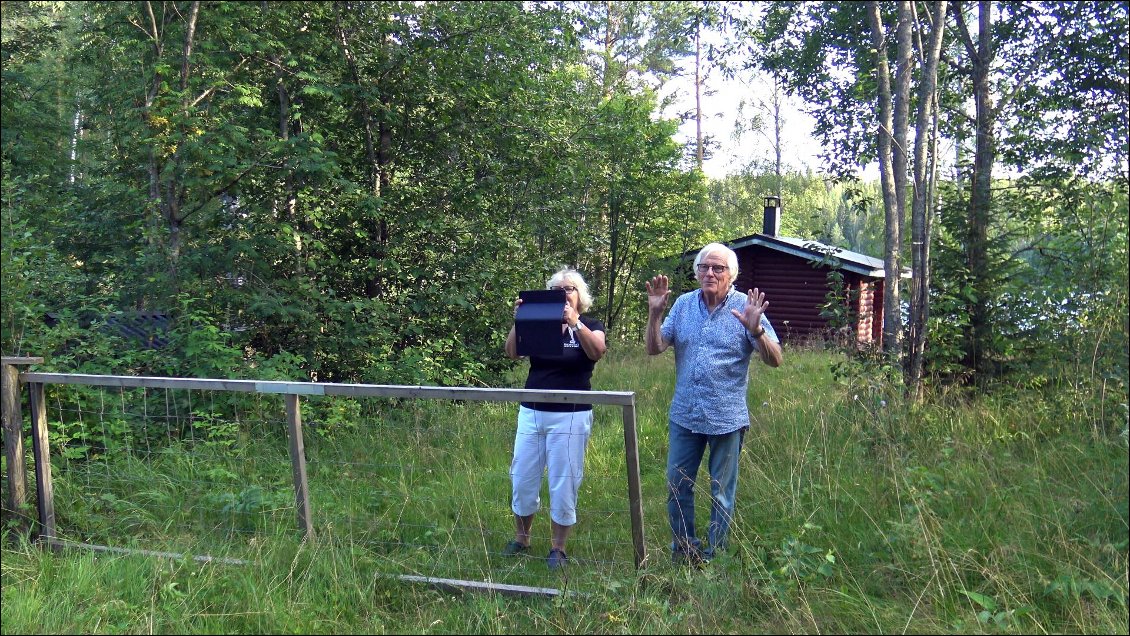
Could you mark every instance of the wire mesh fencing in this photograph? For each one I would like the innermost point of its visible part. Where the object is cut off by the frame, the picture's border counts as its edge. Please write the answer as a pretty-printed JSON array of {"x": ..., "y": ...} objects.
[{"x": 419, "y": 484}]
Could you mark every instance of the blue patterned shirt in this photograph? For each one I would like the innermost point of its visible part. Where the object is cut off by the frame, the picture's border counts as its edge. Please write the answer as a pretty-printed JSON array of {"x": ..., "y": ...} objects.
[{"x": 712, "y": 353}]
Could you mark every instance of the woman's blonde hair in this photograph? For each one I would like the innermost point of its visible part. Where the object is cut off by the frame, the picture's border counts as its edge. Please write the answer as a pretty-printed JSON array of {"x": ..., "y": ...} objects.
[{"x": 570, "y": 276}]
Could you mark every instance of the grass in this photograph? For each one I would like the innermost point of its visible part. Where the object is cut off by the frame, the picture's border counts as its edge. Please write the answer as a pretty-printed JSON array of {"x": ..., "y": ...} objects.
[{"x": 857, "y": 513}]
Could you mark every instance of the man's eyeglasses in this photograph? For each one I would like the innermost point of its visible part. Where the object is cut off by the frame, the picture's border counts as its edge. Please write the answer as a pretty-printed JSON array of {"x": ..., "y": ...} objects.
[
  {"x": 568, "y": 289},
  {"x": 717, "y": 269}
]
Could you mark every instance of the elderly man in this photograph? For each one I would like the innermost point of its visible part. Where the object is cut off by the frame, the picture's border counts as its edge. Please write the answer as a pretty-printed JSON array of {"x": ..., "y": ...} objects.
[{"x": 714, "y": 329}]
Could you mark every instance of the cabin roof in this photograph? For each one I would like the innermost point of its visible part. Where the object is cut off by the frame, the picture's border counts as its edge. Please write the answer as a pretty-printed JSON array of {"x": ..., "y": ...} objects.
[{"x": 816, "y": 251}]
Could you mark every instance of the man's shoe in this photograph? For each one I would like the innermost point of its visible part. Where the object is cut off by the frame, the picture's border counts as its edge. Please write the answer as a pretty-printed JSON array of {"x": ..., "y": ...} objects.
[
  {"x": 691, "y": 556},
  {"x": 514, "y": 549},
  {"x": 556, "y": 559}
]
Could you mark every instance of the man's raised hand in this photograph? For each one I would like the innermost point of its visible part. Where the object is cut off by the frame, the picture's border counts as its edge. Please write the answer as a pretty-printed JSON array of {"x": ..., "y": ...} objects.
[
  {"x": 750, "y": 315},
  {"x": 657, "y": 293}
]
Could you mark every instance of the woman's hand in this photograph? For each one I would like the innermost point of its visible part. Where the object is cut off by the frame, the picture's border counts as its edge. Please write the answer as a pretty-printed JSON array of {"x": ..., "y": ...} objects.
[
  {"x": 517, "y": 304},
  {"x": 571, "y": 316}
]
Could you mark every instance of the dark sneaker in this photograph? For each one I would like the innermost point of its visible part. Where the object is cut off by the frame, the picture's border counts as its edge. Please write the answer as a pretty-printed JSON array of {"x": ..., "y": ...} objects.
[
  {"x": 556, "y": 559},
  {"x": 514, "y": 549},
  {"x": 691, "y": 556}
]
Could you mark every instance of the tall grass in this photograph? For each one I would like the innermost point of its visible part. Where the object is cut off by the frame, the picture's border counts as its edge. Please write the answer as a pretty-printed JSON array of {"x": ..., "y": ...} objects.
[{"x": 857, "y": 513}]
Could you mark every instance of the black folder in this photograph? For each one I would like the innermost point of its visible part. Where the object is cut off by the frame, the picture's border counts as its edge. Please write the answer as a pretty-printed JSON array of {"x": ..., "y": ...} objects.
[{"x": 538, "y": 323}]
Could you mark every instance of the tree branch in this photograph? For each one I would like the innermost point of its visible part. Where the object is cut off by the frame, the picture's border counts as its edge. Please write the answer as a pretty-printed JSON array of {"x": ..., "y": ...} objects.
[
  {"x": 1026, "y": 76},
  {"x": 152, "y": 22},
  {"x": 221, "y": 190},
  {"x": 190, "y": 33},
  {"x": 208, "y": 92},
  {"x": 956, "y": 111},
  {"x": 963, "y": 30}
]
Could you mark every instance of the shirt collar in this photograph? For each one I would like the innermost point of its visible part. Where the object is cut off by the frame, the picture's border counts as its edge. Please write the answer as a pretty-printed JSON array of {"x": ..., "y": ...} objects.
[{"x": 725, "y": 298}]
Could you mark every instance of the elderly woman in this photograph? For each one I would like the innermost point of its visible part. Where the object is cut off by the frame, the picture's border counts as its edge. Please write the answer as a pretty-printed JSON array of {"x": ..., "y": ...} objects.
[{"x": 550, "y": 435}]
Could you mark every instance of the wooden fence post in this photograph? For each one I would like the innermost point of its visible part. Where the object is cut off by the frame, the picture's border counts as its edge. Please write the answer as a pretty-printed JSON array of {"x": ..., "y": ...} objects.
[
  {"x": 13, "y": 422},
  {"x": 635, "y": 496},
  {"x": 44, "y": 492},
  {"x": 298, "y": 465}
]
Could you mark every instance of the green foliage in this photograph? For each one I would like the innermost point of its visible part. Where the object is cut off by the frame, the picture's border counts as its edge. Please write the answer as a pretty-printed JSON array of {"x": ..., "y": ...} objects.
[
  {"x": 242, "y": 511},
  {"x": 1068, "y": 589},
  {"x": 797, "y": 40},
  {"x": 336, "y": 185},
  {"x": 1081, "y": 97},
  {"x": 356, "y": 192},
  {"x": 846, "y": 213},
  {"x": 793, "y": 564},
  {"x": 839, "y": 306},
  {"x": 1049, "y": 285},
  {"x": 359, "y": 206},
  {"x": 1060, "y": 123},
  {"x": 991, "y": 616}
]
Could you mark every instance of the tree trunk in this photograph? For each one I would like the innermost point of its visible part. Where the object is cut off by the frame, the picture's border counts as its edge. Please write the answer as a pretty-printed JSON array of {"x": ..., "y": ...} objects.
[
  {"x": 698, "y": 90},
  {"x": 614, "y": 253},
  {"x": 171, "y": 203},
  {"x": 378, "y": 141},
  {"x": 977, "y": 333},
  {"x": 778, "y": 137},
  {"x": 153, "y": 168},
  {"x": 290, "y": 185},
  {"x": 925, "y": 130},
  {"x": 609, "y": 40},
  {"x": 891, "y": 302}
]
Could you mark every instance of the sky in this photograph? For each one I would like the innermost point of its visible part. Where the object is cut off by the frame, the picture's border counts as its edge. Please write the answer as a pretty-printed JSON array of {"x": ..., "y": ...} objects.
[
  {"x": 722, "y": 107},
  {"x": 721, "y": 111}
]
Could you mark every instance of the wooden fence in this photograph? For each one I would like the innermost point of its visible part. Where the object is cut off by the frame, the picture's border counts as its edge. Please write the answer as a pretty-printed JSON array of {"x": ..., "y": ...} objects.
[{"x": 291, "y": 393}]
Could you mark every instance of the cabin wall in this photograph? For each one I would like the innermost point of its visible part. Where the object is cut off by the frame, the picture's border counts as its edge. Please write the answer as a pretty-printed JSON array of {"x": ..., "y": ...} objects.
[{"x": 796, "y": 290}]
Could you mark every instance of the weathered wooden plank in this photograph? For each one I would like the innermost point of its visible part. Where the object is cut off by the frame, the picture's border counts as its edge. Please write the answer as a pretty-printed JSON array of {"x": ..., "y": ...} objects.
[
  {"x": 635, "y": 493},
  {"x": 298, "y": 466},
  {"x": 41, "y": 448},
  {"x": 59, "y": 544},
  {"x": 13, "y": 422},
  {"x": 20, "y": 360},
  {"x": 617, "y": 398},
  {"x": 291, "y": 388},
  {"x": 243, "y": 386},
  {"x": 458, "y": 585}
]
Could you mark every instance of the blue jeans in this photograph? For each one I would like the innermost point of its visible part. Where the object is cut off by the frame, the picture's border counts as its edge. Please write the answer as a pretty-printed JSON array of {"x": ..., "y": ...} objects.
[{"x": 684, "y": 455}]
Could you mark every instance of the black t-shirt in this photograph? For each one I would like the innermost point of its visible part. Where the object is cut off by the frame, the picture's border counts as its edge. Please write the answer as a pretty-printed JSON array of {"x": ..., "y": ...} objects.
[{"x": 572, "y": 370}]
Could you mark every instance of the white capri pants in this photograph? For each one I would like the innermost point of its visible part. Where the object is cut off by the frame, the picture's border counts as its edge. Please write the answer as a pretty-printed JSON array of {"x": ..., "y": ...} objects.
[{"x": 556, "y": 441}]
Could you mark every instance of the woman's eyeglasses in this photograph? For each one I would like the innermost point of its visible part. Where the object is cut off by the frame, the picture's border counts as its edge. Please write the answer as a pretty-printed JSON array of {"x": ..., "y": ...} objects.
[
  {"x": 568, "y": 289},
  {"x": 717, "y": 269}
]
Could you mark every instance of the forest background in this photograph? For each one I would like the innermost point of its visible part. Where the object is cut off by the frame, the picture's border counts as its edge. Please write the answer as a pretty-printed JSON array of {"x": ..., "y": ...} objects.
[{"x": 355, "y": 192}]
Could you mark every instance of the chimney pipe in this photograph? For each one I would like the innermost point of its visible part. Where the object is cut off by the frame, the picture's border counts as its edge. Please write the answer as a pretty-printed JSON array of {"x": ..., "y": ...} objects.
[{"x": 772, "y": 223}]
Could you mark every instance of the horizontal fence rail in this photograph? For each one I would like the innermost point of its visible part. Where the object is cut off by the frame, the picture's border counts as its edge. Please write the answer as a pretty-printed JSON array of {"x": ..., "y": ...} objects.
[
  {"x": 616, "y": 398},
  {"x": 349, "y": 463}
]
